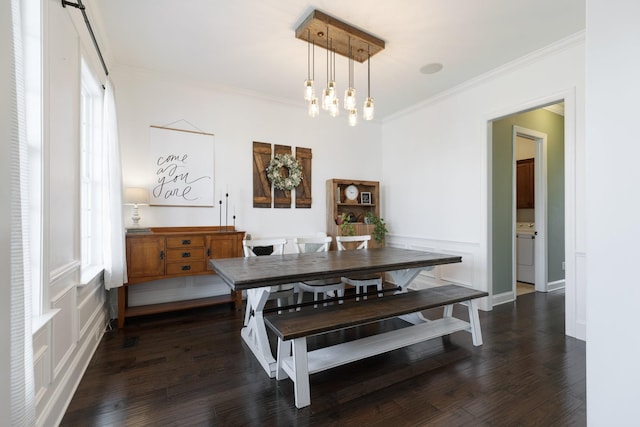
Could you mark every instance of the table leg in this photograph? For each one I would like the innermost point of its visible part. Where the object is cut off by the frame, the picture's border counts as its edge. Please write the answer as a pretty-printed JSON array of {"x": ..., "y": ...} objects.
[
  {"x": 403, "y": 279},
  {"x": 254, "y": 332},
  {"x": 237, "y": 297}
]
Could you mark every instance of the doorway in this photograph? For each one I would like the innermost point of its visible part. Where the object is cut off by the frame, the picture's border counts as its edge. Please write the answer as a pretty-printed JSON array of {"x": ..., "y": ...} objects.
[
  {"x": 529, "y": 210},
  {"x": 546, "y": 129}
]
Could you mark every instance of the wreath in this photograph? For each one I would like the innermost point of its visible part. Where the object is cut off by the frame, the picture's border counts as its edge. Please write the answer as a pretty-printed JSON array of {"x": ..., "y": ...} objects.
[{"x": 279, "y": 181}]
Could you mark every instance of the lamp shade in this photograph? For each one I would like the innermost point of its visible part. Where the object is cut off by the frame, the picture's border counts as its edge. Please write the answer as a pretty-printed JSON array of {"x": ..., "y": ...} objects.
[{"x": 136, "y": 196}]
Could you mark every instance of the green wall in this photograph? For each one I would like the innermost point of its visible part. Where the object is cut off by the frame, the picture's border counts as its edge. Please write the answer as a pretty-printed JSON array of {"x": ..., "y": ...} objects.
[{"x": 502, "y": 193}]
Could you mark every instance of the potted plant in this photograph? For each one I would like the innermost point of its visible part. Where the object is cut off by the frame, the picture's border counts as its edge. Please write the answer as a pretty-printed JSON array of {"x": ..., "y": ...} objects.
[
  {"x": 346, "y": 227},
  {"x": 379, "y": 227}
]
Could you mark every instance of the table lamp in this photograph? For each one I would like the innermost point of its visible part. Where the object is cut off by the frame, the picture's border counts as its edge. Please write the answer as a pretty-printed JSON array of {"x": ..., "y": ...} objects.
[{"x": 136, "y": 197}]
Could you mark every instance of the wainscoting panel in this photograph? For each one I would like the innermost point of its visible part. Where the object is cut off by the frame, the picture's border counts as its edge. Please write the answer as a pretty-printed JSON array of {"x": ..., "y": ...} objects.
[
  {"x": 65, "y": 330},
  {"x": 461, "y": 274},
  {"x": 64, "y": 278},
  {"x": 41, "y": 365},
  {"x": 64, "y": 345},
  {"x": 467, "y": 273},
  {"x": 91, "y": 303}
]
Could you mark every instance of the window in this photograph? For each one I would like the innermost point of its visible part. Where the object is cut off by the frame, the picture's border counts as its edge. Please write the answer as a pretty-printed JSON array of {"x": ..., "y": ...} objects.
[{"x": 90, "y": 168}]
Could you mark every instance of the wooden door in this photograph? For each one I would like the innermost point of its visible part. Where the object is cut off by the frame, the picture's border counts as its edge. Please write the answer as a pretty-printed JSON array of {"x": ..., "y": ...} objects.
[
  {"x": 145, "y": 256},
  {"x": 525, "y": 184},
  {"x": 223, "y": 245}
]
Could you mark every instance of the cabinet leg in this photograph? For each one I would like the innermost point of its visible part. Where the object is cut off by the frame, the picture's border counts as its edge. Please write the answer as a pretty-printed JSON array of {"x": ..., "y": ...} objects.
[{"x": 122, "y": 305}]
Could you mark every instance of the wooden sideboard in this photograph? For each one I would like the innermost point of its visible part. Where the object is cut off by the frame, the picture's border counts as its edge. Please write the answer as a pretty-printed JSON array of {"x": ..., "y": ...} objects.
[{"x": 168, "y": 252}]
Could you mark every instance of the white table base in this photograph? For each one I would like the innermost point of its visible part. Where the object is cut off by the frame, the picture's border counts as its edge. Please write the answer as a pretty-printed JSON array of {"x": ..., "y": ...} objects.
[{"x": 254, "y": 333}]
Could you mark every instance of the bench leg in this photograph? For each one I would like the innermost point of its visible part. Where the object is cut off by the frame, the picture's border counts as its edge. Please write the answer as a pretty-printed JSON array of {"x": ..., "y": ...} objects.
[
  {"x": 474, "y": 319},
  {"x": 284, "y": 350},
  {"x": 301, "y": 373}
]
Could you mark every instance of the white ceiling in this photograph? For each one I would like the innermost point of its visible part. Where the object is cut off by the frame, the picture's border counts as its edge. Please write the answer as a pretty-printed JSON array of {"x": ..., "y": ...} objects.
[{"x": 250, "y": 45}]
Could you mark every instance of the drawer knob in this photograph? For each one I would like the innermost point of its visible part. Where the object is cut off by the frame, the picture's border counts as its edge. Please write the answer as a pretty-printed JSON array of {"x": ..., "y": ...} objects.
[
  {"x": 186, "y": 242},
  {"x": 186, "y": 267},
  {"x": 186, "y": 254}
]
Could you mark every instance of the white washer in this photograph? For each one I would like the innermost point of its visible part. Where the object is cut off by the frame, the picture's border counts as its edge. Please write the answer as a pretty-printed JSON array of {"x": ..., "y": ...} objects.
[{"x": 525, "y": 252}]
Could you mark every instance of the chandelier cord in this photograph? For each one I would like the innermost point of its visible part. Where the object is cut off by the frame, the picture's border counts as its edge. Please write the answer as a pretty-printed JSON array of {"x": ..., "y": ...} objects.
[
  {"x": 350, "y": 65},
  {"x": 327, "y": 56},
  {"x": 333, "y": 76},
  {"x": 313, "y": 58},
  {"x": 368, "y": 71},
  {"x": 308, "y": 53}
]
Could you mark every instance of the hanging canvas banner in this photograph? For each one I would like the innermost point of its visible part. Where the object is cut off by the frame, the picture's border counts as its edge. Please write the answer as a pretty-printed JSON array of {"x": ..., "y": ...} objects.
[{"x": 182, "y": 167}]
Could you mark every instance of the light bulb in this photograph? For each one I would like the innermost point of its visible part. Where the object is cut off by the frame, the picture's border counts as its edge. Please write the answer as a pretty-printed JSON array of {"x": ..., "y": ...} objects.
[
  {"x": 367, "y": 112},
  {"x": 308, "y": 90},
  {"x": 353, "y": 117},
  {"x": 334, "y": 108},
  {"x": 332, "y": 89},
  {"x": 350, "y": 99},
  {"x": 326, "y": 98},
  {"x": 314, "y": 109}
]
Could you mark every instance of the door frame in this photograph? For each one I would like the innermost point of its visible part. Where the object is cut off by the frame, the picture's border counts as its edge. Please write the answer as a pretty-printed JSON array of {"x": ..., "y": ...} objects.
[
  {"x": 540, "y": 202},
  {"x": 575, "y": 324}
]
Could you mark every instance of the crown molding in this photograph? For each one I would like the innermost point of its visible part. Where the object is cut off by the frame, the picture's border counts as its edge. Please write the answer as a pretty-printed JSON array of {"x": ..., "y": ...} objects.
[{"x": 554, "y": 48}]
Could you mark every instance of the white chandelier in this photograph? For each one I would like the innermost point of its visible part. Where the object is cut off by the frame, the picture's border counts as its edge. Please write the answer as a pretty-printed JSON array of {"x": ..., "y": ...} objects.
[{"x": 337, "y": 37}]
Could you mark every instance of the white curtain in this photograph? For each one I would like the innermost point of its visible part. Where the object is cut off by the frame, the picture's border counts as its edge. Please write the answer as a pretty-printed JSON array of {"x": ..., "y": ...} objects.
[
  {"x": 115, "y": 267},
  {"x": 22, "y": 383}
]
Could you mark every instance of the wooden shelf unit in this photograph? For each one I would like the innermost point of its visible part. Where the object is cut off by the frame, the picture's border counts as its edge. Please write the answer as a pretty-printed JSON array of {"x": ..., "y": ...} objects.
[
  {"x": 525, "y": 184},
  {"x": 169, "y": 252},
  {"x": 337, "y": 204}
]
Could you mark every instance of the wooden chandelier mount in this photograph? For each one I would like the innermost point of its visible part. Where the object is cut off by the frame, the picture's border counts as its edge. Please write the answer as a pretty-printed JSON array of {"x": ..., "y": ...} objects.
[{"x": 314, "y": 29}]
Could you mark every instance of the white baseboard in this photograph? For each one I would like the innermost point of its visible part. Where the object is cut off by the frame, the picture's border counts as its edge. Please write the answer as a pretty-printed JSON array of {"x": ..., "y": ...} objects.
[
  {"x": 503, "y": 298},
  {"x": 554, "y": 286}
]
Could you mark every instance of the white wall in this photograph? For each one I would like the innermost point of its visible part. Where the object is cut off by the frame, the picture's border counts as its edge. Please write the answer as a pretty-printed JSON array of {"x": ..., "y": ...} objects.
[
  {"x": 237, "y": 119},
  {"x": 441, "y": 148},
  {"x": 613, "y": 149}
]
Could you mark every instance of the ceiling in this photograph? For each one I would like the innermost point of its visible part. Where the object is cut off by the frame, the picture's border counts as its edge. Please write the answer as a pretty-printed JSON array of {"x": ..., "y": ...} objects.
[{"x": 250, "y": 45}]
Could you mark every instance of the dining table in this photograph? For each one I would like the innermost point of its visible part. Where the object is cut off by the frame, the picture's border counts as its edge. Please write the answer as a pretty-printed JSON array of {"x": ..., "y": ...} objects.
[{"x": 261, "y": 275}]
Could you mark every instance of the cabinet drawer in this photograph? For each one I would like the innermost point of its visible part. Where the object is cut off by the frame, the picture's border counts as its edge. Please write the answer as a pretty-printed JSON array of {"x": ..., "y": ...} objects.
[
  {"x": 187, "y": 267},
  {"x": 186, "y": 254},
  {"x": 185, "y": 241}
]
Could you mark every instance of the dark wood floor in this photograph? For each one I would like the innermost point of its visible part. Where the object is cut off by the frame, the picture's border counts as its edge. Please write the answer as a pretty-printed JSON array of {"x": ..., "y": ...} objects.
[{"x": 192, "y": 369}]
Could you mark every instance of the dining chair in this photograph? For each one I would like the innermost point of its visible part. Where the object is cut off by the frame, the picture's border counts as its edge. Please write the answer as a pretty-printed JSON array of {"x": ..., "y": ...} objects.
[
  {"x": 323, "y": 287},
  {"x": 283, "y": 294},
  {"x": 360, "y": 281}
]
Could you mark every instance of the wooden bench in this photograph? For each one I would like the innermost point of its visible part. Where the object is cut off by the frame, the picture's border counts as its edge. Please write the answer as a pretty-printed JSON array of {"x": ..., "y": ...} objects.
[{"x": 293, "y": 328}]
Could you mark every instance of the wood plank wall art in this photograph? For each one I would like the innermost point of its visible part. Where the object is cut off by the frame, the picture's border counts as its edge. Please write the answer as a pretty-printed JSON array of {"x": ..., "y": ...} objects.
[
  {"x": 303, "y": 191},
  {"x": 281, "y": 198},
  {"x": 264, "y": 195},
  {"x": 261, "y": 184}
]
